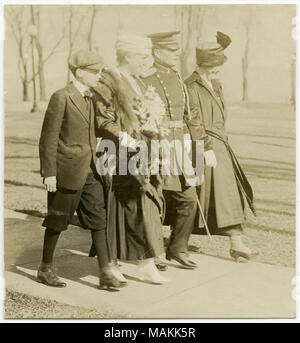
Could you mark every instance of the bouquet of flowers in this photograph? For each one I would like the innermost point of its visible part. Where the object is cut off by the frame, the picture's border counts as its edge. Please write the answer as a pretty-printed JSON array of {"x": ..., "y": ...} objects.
[{"x": 150, "y": 111}]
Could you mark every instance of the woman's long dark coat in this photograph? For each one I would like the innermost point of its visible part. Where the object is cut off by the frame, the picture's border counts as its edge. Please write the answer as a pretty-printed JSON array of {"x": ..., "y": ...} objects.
[
  {"x": 134, "y": 221},
  {"x": 220, "y": 190}
]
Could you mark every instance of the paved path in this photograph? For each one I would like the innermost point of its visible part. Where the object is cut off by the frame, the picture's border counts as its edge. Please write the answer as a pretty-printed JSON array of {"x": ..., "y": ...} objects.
[{"x": 219, "y": 288}]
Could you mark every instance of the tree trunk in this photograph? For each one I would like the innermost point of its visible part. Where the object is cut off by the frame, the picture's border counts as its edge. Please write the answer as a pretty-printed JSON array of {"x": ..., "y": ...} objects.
[
  {"x": 188, "y": 17},
  {"x": 68, "y": 69},
  {"x": 25, "y": 83},
  {"x": 39, "y": 49},
  {"x": 245, "y": 71},
  {"x": 245, "y": 80},
  {"x": 25, "y": 90},
  {"x": 184, "y": 65},
  {"x": 293, "y": 83},
  {"x": 24, "y": 78},
  {"x": 68, "y": 74},
  {"x": 91, "y": 28},
  {"x": 70, "y": 41},
  {"x": 41, "y": 74}
]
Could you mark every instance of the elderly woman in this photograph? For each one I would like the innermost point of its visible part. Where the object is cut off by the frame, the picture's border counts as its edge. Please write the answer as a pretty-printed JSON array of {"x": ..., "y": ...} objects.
[
  {"x": 135, "y": 202},
  {"x": 226, "y": 190}
]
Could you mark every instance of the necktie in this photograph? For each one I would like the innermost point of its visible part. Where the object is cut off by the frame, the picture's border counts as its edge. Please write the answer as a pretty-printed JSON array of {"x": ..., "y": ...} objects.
[{"x": 87, "y": 96}]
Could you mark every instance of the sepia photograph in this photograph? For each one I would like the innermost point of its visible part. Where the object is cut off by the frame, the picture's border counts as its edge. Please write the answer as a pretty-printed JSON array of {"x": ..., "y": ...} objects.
[{"x": 149, "y": 161}]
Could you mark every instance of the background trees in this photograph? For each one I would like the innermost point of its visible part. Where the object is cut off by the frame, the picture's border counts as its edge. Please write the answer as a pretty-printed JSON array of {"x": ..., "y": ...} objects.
[
  {"x": 62, "y": 29},
  {"x": 35, "y": 11},
  {"x": 247, "y": 22},
  {"x": 76, "y": 18},
  {"x": 20, "y": 18},
  {"x": 94, "y": 11},
  {"x": 293, "y": 81},
  {"x": 189, "y": 21},
  {"x": 18, "y": 23}
]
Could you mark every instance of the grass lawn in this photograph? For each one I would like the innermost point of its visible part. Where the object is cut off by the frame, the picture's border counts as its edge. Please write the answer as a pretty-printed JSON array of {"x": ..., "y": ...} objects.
[
  {"x": 18, "y": 305},
  {"x": 263, "y": 137}
]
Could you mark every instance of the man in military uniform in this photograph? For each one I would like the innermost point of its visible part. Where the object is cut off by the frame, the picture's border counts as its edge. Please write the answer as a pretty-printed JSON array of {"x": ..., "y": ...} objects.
[{"x": 179, "y": 191}]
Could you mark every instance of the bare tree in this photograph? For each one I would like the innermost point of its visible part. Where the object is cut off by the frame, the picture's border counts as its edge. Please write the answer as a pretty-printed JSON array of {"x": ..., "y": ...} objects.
[
  {"x": 189, "y": 20},
  {"x": 204, "y": 13},
  {"x": 36, "y": 15},
  {"x": 19, "y": 22},
  {"x": 293, "y": 81},
  {"x": 95, "y": 10},
  {"x": 247, "y": 23},
  {"x": 245, "y": 66},
  {"x": 74, "y": 26}
]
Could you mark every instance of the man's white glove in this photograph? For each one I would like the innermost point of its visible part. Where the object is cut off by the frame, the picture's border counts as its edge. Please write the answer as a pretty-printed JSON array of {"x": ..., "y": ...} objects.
[
  {"x": 187, "y": 142},
  {"x": 210, "y": 158},
  {"x": 127, "y": 141}
]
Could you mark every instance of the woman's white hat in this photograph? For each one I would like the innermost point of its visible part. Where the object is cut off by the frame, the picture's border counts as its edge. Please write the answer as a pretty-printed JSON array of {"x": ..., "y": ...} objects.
[{"x": 129, "y": 42}]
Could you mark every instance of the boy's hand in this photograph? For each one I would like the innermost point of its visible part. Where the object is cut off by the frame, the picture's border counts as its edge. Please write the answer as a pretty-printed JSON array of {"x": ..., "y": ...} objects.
[{"x": 50, "y": 183}]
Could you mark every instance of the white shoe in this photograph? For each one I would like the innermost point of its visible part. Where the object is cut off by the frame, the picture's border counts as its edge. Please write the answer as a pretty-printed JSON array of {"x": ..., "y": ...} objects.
[
  {"x": 147, "y": 270},
  {"x": 118, "y": 275}
]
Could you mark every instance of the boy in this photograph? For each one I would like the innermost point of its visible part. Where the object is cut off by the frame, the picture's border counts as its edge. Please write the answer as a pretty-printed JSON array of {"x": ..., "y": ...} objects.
[{"x": 68, "y": 159}]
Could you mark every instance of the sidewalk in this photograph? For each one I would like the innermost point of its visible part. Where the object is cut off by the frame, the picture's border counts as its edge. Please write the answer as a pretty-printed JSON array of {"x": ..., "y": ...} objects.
[{"x": 219, "y": 288}]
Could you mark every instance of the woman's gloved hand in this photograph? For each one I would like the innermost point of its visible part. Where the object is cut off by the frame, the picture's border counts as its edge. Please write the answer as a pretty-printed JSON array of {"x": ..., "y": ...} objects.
[
  {"x": 210, "y": 158},
  {"x": 148, "y": 189}
]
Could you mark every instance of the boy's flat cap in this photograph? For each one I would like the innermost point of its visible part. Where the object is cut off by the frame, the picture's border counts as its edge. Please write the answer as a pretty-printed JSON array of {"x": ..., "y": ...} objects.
[{"x": 85, "y": 59}]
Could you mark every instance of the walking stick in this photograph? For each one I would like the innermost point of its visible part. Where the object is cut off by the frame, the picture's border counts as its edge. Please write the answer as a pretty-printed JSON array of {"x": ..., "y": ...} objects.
[{"x": 204, "y": 221}]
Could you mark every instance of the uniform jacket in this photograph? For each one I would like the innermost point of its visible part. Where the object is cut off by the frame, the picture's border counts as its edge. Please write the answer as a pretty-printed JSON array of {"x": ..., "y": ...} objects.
[
  {"x": 209, "y": 106},
  {"x": 170, "y": 87},
  {"x": 68, "y": 139}
]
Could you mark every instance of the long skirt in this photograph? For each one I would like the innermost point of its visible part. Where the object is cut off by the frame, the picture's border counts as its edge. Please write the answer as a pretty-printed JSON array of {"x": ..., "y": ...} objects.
[{"x": 134, "y": 226}]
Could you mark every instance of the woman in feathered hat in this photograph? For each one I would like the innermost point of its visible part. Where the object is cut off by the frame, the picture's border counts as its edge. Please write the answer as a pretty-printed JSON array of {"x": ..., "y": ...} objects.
[
  {"x": 135, "y": 202},
  {"x": 226, "y": 190}
]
